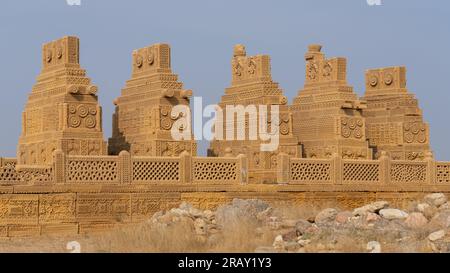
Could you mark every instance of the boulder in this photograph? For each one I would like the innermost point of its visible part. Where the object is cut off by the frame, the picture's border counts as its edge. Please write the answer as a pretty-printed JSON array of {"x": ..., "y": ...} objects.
[
  {"x": 374, "y": 247},
  {"x": 435, "y": 199},
  {"x": 416, "y": 220},
  {"x": 441, "y": 220},
  {"x": 326, "y": 216},
  {"x": 372, "y": 207},
  {"x": 371, "y": 217},
  {"x": 392, "y": 214},
  {"x": 437, "y": 235},
  {"x": 200, "y": 226},
  {"x": 302, "y": 226},
  {"x": 278, "y": 243},
  {"x": 343, "y": 217}
]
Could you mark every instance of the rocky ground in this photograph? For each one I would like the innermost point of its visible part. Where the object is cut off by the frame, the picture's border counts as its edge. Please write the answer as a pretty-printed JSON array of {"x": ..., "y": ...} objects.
[{"x": 255, "y": 226}]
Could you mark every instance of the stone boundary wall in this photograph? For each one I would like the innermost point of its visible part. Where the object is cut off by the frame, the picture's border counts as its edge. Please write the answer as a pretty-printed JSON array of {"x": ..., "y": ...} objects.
[{"x": 83, "y": 194}]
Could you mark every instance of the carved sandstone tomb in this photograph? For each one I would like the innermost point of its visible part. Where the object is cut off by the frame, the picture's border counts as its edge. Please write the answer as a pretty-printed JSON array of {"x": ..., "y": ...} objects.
[
  {"x": 327, "y": 113},
  {"x": 394, "y": 121},
  {"x": 62, "y": 111},
  {"x": 252, "y": 85},
  {"x": 143, "y": 119}
]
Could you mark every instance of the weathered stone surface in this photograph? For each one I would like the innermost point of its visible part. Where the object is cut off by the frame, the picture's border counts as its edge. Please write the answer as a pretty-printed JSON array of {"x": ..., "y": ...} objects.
[
  {"x": 343, "y": 217},
  {"x": 374, "y": 247},
  {"x": 436, "y": 199},
  {"x": 326, "y": 215},
  {"x": 437, "y": 235},
  {"x": 372, "y": 207},
  {"x": 416, "y": 220},
  {"x": 392, "y": 214}
]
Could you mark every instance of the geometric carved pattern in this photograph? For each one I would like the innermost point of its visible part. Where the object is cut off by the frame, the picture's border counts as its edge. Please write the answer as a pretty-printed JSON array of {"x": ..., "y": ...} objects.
[
  {"x": 361, "y": 172},
  {"x": 92, "y": 170},
  {"x": 156, "y": 171},
  {"x": 8, "y": 172},
  {"x": 310, "y": 171},
  {"x": 443, "y": 173},
  {"x": 215, "y": 171},
  {"x": 414, "y": 173}
]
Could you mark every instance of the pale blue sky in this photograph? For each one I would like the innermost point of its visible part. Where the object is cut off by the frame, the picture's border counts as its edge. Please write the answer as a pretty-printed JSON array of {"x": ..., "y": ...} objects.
[{"x": 202, "y": 33}]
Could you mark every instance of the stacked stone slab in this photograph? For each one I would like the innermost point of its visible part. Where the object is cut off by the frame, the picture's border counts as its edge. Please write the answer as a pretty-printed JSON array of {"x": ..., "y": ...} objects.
[
  {"x": 143, "y": 119},
  {"x": 394, "y": 121},
  {"x": 252, "y": 84},
  {"x": 62, "y": 111},
  {"x": 327, "y": 113}
]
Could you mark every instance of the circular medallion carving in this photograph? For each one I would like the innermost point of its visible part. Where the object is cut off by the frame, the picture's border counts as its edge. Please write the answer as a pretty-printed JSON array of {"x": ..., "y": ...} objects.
[
  {"x": 74, "y": 121},
  {"x": 93, "y": 111},
  {"x": 90, "y": 122},
  {"x": 164, "y": 111},
  {"x": 49, "y": 56},
  {"x": 72, "y": 109},
  {"x": 357, "y": 133},
  {"x": 92, "y": 89},
  {"x": 139, "y": 61},
  {"x": 352, "y": 124},
  {"x": 83, "y": 111},
  {"x": 59, "y": 52},
  {"x": 166, "y": 124},
  {"x": 174, "y": 115},
  {"x": 346, "y": 132},
  {"x": 359, "y": 122},
  {"x": 388, "y": 78},
  {"x": 373, "y": 80},
  {"x": 344, "y": 121},
  {"x": 151, "y": 58}
]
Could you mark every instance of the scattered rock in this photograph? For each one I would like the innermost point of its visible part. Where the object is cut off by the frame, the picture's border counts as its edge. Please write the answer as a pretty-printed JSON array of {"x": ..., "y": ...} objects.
[
  {"x": 290, "y": 236},
  {"x": 374, "y": 247},
  {"x": 371, "y": 217},
  {"x": 372, "y": 207},
  {"x": 302, "y": 226},
  {"x": 422, "y": 207},
  {"x": 343, "y": 217},
  {"x": 441, "y": 220},
  {"x": 392, "y": 214},
  {"x": 326, "y": 215},
  {"x": 303, "y": 243},
  {"x": 278, "y": 243},
  {"x": 416, "y": 220},
  {"x": 437, "y": 235},
  {"x": 435, "y": 199}
]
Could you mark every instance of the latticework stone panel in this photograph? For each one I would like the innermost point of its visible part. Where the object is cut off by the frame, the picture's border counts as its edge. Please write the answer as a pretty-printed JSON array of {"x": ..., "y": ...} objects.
[
  {"x": 443, "y": 173},
  {"x": 215, "y": 171},
  {"x": 408, "y": 173},
  {"x": 145, "y": 171},
  {"x": 8, "y": 172},
  {"x": 101, "y": 170},
  {"x": 310, "y": 171},
  {"x": 361, "y": 172}
]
